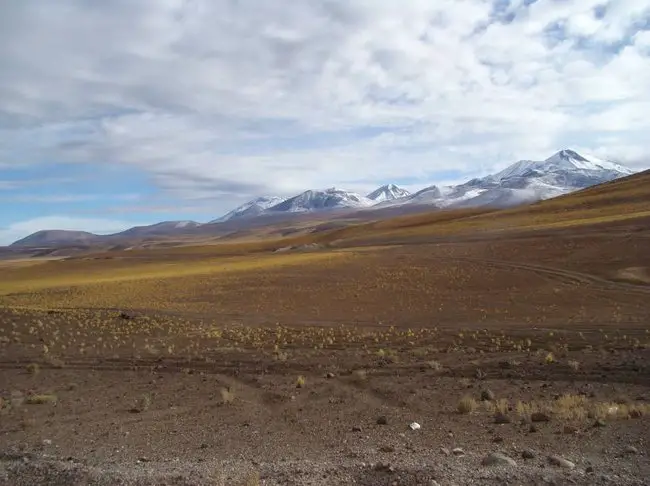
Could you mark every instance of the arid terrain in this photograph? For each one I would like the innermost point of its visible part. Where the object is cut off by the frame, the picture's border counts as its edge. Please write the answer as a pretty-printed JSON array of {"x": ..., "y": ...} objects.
[{"x": 449, "y": 348}]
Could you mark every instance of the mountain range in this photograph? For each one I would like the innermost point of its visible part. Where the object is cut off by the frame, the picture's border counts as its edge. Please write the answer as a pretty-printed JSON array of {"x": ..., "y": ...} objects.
[{"x": 523, "y": 182}]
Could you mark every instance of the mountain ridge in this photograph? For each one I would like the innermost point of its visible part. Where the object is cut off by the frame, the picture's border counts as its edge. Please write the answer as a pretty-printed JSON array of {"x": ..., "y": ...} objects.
[{"x": 523, "y": 182}]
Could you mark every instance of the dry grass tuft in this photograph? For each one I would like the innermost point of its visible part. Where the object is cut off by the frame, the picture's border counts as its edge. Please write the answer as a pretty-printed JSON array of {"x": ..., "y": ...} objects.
[
  {"x": 41, "y": 399},
  {"x": 434, "y": 365},
  {"x": 466, "y": 405},
  {"x": 300, "y": 382},
  {"x": 33, "y": 368},
  {"x": 573, "y": 364},
  {"x": 227, "y": 395},
  {"x": 142, "y": 404}
]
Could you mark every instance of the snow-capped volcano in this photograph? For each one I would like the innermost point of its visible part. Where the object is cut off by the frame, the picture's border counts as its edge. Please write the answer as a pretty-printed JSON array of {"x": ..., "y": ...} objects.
[
  {"x": 253, "y": 208},
  {"x": 528, "y": 181},
  {"x": 563, "y": 161},
  {"x": 322, "y": 200},
  {"x": 523, "y": 182},
  {"x": 387, "y": 192}
]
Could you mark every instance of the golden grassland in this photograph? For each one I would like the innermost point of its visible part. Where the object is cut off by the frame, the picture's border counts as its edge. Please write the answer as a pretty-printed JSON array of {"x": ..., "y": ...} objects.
[{"x": 85, "y": 272}]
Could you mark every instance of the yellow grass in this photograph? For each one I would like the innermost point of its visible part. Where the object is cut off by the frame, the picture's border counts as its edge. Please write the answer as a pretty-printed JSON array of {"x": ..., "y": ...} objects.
[{"x": 78, "y": 272}]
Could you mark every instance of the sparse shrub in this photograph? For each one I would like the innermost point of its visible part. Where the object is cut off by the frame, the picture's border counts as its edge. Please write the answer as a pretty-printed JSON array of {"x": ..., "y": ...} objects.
[
  {"x": 41, "y": 399},
  {"x": 142, "y": 404},
  {"x": 33, "y": 368},
  {"x": 300, "y": 382},
  {"x": 227, "y": 395},
  {"x": 573, "y": 364},
  {"x": 466, "y": 405},
  {"x": 252, "y": 479},
  {"x": 434, "y": 365}
]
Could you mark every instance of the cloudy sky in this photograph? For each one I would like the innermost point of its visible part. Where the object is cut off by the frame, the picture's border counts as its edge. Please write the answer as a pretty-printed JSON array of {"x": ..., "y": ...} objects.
[{"x": 119, "y": 112}]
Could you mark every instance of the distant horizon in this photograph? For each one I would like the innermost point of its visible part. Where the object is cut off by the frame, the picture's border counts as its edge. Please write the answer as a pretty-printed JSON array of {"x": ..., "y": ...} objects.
[{"x": 117, "y": 114}]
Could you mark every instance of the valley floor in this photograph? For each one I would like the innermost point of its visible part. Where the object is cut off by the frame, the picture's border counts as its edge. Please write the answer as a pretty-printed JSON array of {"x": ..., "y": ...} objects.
[{"x": 308, "y": 368}]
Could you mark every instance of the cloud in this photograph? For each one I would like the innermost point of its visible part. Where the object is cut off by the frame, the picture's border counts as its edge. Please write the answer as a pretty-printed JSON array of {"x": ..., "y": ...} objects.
[
  {"x": 232, "y": 99},
  {"x": 21, "y": 229},
  {"x": 66, "y": 198}
]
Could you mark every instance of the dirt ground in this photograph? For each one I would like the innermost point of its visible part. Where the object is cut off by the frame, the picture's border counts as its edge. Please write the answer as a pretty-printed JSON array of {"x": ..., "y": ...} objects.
[{"x": 529, "y": 346}]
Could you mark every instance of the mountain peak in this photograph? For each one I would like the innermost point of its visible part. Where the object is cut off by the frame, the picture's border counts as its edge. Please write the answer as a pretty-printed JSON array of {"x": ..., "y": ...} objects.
[
  {"x": 250, "y": 209},
  {"x": 567, "y": 154},
  {"x": 387, "y": 192}
]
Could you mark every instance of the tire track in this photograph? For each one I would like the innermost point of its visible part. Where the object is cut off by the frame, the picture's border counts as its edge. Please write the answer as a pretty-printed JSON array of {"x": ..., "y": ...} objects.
[{"x": 565, "y": 276}]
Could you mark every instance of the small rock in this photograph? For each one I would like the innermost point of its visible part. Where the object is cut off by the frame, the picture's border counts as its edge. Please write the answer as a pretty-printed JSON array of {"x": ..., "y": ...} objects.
[
  {"x": 560, "y": 462},
  {"x": 47, "y": 442},
  {"x": 501, "y": 418},
  {"x": 631, "y": 450},
  {"x": 415, "y": 426},
  {"x": 589, "y": 469},
  {"x": 487, "y": 395},
  {"x": 498, "y": 459},
  {"x": 528, "y": 454},
  {"x": 599, "y": 423},
  {"x": 433, "y": 482},
  {"x": 329, "y": 376},
  {"x": 444, "y": 451},
  {"x": 356, "y": 428},
  {"x": 382, "y": 420},
  {"x": 386, "y": 449},
  {"x": 497, "y": 439},
  {"x": 457, "y": 451},
  {"x": 540, "y": 417},
  {"x": 204, "y": 446},
  {"x": 570, "y": 430},
  {"x": 384, "y": 467},
  {"x": 532, "y": 429}
]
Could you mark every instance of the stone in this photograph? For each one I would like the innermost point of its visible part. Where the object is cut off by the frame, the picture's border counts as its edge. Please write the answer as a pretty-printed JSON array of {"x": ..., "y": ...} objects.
[
  {"x": 532, "y": 429},
  {"x": 387, "y": 449},
  {"x": 329, "y": 376},
  {"x": 631, "y": 450},
  {"x": 487, "y": 395},
  {"x": 382, "y": 420},
  {"x": 444, "y": 451},
  {"x": 501, "y": 418},
  {"x": 356, "y": 428},
  {"x": 457, "y": 451},
  {"x": 540, "y": 417},
  {"x": 560, "y": 462},
  {"x": 528, "y": 454},
  {"x": 498, "y": 459},
  {"x": 599, "y": 423},
  {"x": 570, "y": 430}
]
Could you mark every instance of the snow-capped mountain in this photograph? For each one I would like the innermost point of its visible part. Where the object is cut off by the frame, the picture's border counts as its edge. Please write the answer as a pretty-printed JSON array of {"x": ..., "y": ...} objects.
[
  {"x": 253, "y": 208},
  {"x": 387, "y": 192},
  {"x": 328, "y": 199},
  {"x": 523, "y": 182}
]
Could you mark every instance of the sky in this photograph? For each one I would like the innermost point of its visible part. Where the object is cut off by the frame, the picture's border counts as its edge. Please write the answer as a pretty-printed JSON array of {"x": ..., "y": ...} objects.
[{"x": 122, "y": 112}]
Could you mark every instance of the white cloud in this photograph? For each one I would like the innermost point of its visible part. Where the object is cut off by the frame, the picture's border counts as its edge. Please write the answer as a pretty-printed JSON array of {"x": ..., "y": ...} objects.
[
  {"x": 230, "y": 98},
  {"x": 20, "y": 229}
]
